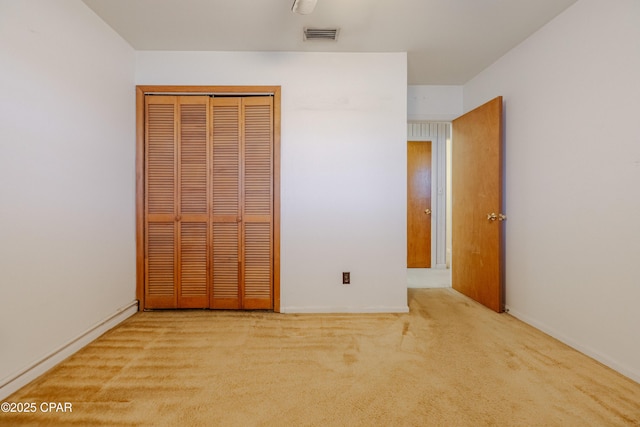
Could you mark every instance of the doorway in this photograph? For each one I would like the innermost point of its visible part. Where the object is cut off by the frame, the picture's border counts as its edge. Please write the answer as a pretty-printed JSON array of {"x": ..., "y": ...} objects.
[
  {"x": 436, "y": 273},
  {"x": 477, "y": 204}
]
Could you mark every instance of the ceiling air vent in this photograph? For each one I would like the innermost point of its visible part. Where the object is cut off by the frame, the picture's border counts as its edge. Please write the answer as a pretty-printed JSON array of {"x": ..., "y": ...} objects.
[{"x": 321, "y": 34}]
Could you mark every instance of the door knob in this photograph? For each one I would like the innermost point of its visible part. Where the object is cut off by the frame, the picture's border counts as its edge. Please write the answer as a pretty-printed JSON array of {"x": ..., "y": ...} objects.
[
  {"x": 500, "y": 217},
  {"x": 427, "y": 211}
]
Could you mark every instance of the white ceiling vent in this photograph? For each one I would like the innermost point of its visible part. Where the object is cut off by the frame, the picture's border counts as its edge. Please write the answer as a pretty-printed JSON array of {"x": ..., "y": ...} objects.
[{"x": 330, "y": 34}]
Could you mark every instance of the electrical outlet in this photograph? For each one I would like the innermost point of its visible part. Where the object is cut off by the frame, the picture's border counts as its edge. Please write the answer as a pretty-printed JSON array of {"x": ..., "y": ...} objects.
[{"x": 346, "y": 278}]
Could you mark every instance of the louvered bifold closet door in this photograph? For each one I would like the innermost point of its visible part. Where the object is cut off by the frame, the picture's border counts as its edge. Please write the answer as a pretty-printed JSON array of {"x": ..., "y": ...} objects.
[
  {"x": 257, "y": 209},
  {"x": 193, "y": 206},
  {"x": 176, "y": 202},
  {"x": 226, "y": 206},
  {"x": 242, "y": 203},
  {"x": 161, "y": 153}
]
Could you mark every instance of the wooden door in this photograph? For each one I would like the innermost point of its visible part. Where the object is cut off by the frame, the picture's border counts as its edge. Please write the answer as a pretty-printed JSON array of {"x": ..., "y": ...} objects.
[
  {"x": 226, "y": 208},
  {"x": 160, "y": 267},
  {"x": 242, "y": 194},
  {"x": 257, "y": 207},
  {"x": 477, "y": 205},
  {"x": 207, "y": 197},
  {"x": 209, "y": 202},
  {"x": 419, "y": 204},
  {"x": 193, "y": 201},
  {"x": 176, "y": 203}
]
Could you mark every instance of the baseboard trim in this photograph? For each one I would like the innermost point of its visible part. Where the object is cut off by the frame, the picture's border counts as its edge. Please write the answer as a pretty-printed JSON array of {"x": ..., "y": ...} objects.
[
  {"x": 13, "y": 383},
  {"x": 605, "y": 360},
  {"x": 343, "y": 310}
]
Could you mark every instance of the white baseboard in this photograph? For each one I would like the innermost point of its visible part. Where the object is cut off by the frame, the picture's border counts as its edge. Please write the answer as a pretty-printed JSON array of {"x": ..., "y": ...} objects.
[
  {"x": 343, "y": 310},
  {"x": 605, "y": 360},
  {"x": 13, "y": 383}
]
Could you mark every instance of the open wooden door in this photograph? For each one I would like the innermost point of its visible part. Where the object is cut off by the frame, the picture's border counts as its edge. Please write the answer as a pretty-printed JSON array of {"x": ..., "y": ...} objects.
[{"x": 477, "y": 256}]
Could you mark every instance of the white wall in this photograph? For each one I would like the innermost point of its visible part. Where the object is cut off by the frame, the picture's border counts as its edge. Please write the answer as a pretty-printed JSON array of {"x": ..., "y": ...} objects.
[
  {"x": 572, "y": 105},
  {"x": 67, "y": 173},
  {"x": 434, "y": 103},
  {"x": 343, "y": 176}
]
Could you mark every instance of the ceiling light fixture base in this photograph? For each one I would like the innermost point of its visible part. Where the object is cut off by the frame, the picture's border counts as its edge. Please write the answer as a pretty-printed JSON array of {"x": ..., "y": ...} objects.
[{"x": 303, "y": 7}]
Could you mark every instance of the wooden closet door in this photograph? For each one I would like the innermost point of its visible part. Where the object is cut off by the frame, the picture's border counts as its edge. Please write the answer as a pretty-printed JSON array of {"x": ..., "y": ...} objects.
[
  {"x": 225, "y": 194},
  {"x": 161, "y": 148},
  {"x": 176, "y": 203},
  {"x": 242, "y": 203},
  {"x": 257, "y": 207},
  {"x": 193, "y": 206},
  {"x": 209, "y": 202}
]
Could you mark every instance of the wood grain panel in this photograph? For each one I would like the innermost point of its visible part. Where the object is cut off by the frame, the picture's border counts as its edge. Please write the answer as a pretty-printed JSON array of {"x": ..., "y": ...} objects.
[
  {"x": 160, "y": 156},
  {"x": 225, "y": 266},
  {"x": 160, "y": 265},
  {"x": 226, "y": 156},
  {"x": 257, "y": 265},
  {"x": 258, "y": 156},
  {"x": 193, "y": 284},
  {"x": 193, "y": 156}
]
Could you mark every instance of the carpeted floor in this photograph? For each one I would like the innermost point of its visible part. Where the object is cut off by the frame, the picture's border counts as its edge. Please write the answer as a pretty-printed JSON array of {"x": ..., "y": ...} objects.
[{"x": 449, "y": 362}]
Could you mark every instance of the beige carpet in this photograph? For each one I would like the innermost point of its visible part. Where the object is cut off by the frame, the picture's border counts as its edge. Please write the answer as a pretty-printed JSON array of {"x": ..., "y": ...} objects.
[{"x": 449, "y": 362}]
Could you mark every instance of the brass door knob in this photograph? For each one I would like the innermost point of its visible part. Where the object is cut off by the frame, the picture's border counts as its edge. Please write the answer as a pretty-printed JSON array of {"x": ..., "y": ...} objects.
[
  {"x": 427, "y": 211},
  {"x": 500, "y": 217}
]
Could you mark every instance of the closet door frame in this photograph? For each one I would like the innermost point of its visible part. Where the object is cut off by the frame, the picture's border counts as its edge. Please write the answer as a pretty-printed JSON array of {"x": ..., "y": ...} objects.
[{"x": 141, "y": 91}]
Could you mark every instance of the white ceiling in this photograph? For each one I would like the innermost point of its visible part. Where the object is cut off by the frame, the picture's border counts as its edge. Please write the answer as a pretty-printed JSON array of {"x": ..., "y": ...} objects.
[{"x": 447, "y": 41}]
